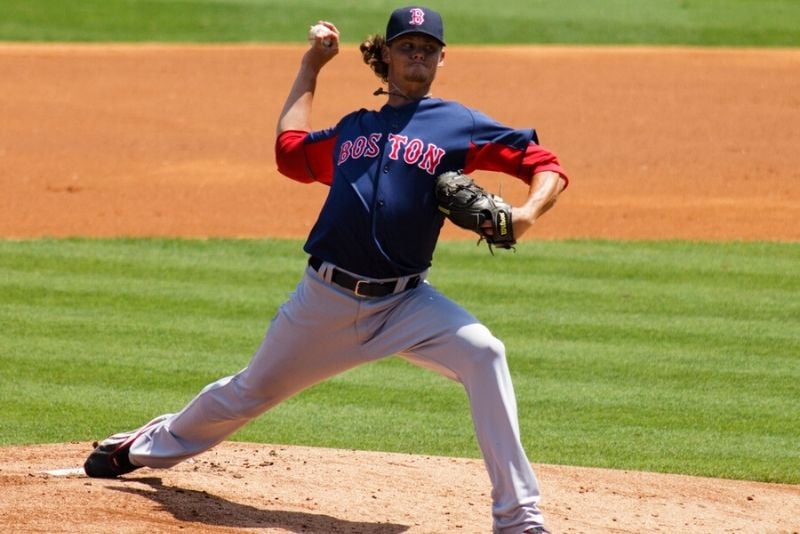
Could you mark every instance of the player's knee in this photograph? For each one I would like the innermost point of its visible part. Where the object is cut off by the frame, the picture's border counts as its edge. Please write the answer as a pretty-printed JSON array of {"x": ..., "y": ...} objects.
[
  {"x": 481, "y": 349},
  {"x": 492, "y": 353}
]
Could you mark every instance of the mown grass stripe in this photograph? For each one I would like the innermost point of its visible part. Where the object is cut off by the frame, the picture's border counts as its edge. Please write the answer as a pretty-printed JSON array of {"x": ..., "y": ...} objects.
[
  {"x": 692, "y": 22},
  {"x": 638, "y": 355}
]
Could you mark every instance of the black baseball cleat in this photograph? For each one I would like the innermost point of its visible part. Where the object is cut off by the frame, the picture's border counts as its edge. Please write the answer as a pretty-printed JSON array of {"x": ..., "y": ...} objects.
[{"x": 110, "y": 457}]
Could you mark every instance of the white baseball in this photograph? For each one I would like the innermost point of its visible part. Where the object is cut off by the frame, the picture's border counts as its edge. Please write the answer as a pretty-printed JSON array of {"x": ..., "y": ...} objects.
[{"x": 320, "y": 30}]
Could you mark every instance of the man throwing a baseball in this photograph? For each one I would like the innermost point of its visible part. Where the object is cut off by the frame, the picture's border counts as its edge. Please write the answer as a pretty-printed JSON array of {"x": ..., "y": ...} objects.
[{"x": 364, "y": 294}]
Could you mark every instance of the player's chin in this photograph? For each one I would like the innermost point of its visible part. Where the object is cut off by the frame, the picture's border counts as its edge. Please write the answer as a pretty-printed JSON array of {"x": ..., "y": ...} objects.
[{"x": 418, "y": 76}]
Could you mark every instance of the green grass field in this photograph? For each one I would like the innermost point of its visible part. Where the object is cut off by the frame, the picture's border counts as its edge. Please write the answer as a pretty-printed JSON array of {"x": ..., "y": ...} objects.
[
  {"x": 677, "y": 357},
  {"x": 692, "y": 22}
]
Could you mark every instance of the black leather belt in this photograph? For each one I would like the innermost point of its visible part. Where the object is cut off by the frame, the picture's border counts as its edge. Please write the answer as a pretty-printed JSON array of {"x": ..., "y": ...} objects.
[{"x": 363, "y": 288}]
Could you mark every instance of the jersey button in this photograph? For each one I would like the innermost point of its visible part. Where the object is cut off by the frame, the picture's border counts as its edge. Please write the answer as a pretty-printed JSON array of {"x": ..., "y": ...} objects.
[{"x": 381, "y": 203}]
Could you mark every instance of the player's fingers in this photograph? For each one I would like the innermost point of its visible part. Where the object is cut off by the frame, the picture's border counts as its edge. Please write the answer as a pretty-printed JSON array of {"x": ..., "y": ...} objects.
[
  {"x": 330, "y": 25},
  {"x": 324, "y": 35}
]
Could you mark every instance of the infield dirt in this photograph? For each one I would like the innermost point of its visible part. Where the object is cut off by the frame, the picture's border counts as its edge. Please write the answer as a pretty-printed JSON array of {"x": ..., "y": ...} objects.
[{"x": 177, "y": 141}]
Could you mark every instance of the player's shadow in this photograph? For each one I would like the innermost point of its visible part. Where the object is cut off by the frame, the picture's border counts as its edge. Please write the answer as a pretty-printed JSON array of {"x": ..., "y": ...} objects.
[{"x": 194, "y": 506}]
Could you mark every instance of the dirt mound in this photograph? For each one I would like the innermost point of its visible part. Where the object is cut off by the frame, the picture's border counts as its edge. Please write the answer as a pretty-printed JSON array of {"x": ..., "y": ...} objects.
[{"x": 240, "y": 487}]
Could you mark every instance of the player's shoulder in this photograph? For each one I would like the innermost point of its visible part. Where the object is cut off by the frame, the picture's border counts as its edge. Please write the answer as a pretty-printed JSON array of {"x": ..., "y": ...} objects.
[
  {"x": 445, "y": 103},
  {"x": 453, "y": 109},
  {"x": 347, "y": 121},
  {"x": 454, "y": 106},
  {"x": 358, "y": 116}
]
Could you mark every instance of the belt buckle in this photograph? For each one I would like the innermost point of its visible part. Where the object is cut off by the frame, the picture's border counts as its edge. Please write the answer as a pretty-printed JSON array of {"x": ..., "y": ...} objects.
[{"x": 357, "y": 289}]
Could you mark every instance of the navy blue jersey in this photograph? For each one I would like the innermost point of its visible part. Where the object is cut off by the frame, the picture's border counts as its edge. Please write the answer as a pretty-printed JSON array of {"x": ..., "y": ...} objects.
[{"x": 380, "y": 218}]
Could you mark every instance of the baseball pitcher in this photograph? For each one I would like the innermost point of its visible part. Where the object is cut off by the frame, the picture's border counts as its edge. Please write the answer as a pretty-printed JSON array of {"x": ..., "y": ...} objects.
[{"x": 394, "y": 175}]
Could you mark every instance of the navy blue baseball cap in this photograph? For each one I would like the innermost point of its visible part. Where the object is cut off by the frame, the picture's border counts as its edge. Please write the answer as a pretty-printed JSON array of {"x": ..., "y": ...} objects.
[{"x": 415, "y": 19}]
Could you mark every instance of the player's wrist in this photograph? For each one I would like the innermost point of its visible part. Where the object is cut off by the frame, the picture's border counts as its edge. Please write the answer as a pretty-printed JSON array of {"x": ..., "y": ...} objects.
[
  {"x": 523, "y": 214},
  {"x": 522, "y": 218}
]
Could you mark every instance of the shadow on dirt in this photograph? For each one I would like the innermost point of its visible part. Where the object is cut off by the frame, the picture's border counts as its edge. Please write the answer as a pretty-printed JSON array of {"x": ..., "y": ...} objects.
[{"x": 194, "y": 506}]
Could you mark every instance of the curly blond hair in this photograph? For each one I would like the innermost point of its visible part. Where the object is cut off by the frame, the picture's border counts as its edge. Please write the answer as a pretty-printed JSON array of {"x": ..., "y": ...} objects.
[{"x": 372, "y": 53}]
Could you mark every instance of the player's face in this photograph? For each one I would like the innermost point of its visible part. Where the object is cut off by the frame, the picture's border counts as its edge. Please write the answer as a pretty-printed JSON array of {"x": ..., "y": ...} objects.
[{"x": 414, "y": 58}]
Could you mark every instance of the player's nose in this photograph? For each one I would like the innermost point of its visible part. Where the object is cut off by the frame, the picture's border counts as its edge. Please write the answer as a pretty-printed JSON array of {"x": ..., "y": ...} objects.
[{"x": 417, "y": 52}]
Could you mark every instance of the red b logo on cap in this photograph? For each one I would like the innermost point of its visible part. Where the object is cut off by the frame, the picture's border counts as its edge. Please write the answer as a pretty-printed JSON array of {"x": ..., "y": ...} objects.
[{"x": 417, "y": 17}]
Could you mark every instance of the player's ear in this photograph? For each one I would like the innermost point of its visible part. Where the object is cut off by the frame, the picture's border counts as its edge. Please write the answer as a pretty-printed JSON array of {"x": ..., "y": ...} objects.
[
  {"x": 441, "y": 58},
  {"x": 385, "y": 55}
]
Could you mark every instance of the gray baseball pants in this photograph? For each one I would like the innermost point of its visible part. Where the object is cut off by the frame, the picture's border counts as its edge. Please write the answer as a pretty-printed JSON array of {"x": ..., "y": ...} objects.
[{"x": 323, "y": 330}]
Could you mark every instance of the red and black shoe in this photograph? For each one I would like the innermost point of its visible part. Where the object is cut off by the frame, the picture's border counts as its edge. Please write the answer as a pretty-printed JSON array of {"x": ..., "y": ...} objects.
[{"x": 110, "y": 457}]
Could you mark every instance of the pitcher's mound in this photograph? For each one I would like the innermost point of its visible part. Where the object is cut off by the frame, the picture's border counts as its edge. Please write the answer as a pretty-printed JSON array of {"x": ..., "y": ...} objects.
[{"x": 244, "y": 487}]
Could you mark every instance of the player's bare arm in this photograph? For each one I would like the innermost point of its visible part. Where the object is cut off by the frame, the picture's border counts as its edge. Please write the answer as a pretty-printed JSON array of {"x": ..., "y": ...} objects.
[
  {"x": 544, "y": 190},
  {"x": 296, "y": 113}
]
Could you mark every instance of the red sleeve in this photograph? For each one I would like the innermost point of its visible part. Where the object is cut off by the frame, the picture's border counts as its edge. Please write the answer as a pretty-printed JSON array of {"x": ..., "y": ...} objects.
[
  {"x": 538, "y": 159},
  {"x": 513, "y": 161},
  {"x": 304, "y": 162}
]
